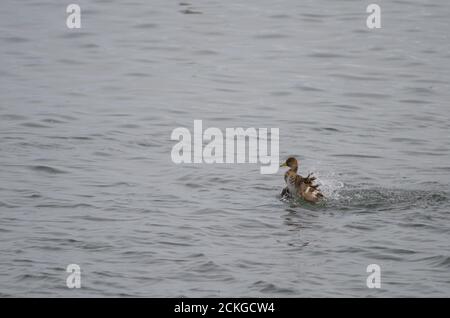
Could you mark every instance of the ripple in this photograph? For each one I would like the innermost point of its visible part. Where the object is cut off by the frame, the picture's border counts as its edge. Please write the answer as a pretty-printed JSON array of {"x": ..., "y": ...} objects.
[
  {"x": 270, "y": 288},
  {"x": 76, "y": 34},
  {"x": 352, "y": 155},
  {"x": 8, "y": 205},
  {"x": 47, "y": 169},
  {"x": 146, "y": 26},
  {"x": 190, "y": 11},
  {"x": 13, "y": 117},
  {"x": 15, "y": 39},
  {"x": 438, "y": 261},
  {"x": 271, "y": 36},
  {"x": 34, "y": 125},
  {"x": 326, "y": 55},
  {"x": 65, "y": 206}
]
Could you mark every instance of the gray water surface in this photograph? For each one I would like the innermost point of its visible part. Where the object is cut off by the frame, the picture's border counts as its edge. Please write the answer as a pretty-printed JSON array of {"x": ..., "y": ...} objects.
[{"x": 86, "y": 175}]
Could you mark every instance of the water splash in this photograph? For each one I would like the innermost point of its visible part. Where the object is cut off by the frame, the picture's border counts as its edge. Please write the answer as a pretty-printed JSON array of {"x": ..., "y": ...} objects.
[{"x": 341, "y": 196}]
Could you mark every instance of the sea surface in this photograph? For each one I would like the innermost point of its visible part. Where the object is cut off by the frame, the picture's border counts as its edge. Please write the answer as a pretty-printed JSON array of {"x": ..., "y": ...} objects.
[{"x": 86, "y": 175}]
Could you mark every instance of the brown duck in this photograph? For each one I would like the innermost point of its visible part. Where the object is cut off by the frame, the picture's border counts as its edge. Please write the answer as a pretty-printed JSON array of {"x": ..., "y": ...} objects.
[{"x": 298, "y": 186}]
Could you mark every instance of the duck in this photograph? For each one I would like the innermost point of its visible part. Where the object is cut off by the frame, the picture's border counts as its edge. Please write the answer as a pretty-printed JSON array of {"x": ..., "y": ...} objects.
[{"x": 298, "y": 186}]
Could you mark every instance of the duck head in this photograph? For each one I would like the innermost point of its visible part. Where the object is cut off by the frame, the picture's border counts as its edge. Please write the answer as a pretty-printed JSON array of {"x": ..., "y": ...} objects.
[{"x": 291, "y": 162}]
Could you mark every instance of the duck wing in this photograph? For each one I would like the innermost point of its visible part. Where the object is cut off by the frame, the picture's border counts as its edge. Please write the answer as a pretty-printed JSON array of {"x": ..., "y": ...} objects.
[
  {"x": 309, "y": 179},
  {"x": 312, "y": 194},
  {"x": 309, "y": 191}
]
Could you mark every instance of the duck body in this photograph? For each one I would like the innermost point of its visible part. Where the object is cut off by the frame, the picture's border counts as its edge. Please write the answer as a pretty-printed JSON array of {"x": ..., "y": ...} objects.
[{"x": 298, "y": 186}]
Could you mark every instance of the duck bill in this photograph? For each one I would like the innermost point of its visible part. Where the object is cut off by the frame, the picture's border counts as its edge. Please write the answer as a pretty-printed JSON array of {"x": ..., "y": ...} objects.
[{"x": 283, "y": 165}]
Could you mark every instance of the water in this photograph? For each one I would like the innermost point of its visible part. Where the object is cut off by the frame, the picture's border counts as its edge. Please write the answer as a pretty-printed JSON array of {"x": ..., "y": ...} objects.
[{"x": 86, "y": 173}]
